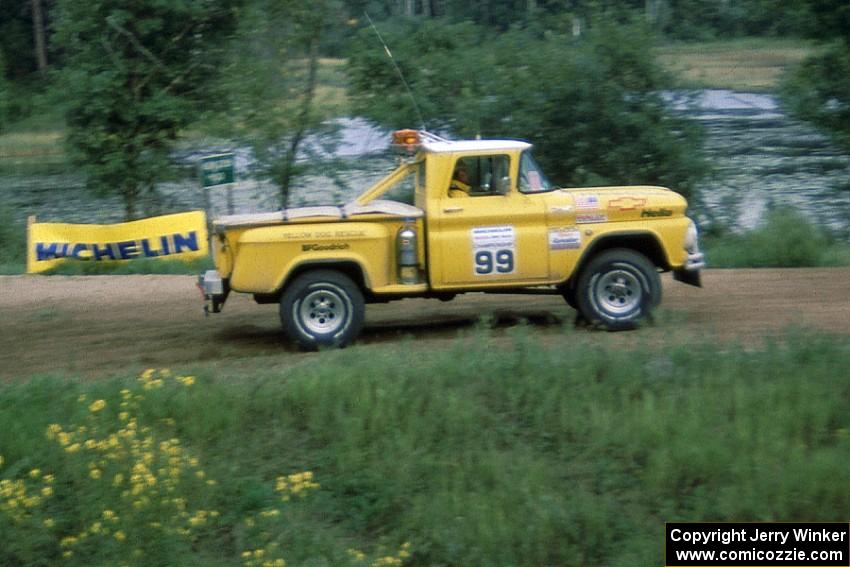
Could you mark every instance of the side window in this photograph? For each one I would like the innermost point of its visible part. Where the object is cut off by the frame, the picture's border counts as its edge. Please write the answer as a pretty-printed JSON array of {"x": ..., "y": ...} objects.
[
  {"x": 531, "y": 177},
  {"x": 480, "y": 176}
]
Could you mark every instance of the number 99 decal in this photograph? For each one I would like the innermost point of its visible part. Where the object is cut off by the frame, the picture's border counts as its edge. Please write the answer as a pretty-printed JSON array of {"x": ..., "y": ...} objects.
[{"x": 494, "y": 261}]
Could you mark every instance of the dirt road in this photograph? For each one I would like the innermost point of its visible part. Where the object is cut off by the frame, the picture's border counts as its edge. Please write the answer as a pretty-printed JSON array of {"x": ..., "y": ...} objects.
[{"x": 105, "y": 324}]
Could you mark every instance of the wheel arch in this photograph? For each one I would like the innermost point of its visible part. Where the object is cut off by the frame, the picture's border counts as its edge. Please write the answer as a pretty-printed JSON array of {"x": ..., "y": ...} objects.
[
  {"x": 646, "y": 243},
  {"x": 350, "y": 268}
]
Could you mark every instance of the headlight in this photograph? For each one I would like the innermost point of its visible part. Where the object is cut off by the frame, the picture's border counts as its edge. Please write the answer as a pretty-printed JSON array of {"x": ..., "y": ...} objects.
[{"x": 692, "y": 237}]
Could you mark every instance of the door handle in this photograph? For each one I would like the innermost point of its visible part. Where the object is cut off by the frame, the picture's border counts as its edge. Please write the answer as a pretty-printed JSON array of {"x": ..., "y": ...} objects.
[{"x": 453, "y": 209}]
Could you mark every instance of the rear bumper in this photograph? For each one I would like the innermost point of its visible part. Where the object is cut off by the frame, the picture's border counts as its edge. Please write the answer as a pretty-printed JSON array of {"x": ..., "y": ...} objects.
[{"x": 214, "y": 289}]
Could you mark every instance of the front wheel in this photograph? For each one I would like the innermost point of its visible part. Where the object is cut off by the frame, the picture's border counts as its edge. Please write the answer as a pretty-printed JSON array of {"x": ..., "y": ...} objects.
[
  {"x": 618, "y": 288},
  {"x": 322, "y": 308}
]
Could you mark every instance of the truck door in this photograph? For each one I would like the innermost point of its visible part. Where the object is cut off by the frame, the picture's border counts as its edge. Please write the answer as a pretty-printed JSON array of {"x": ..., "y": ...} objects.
[{"x": 489, "y": 233}]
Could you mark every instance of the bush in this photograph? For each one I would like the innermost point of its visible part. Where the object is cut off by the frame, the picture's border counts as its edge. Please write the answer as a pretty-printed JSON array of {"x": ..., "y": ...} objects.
[{"x": 786, "y": 240}]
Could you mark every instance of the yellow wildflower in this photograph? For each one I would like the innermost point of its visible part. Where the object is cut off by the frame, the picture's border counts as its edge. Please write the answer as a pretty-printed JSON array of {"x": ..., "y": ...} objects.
[
  {"x": 35, "y": 473},
  {"x": 97, "y": 405},
  {"x": 95, "y": 474},
  {"x": 47, "y": 491},
  {"x": 119, "y": 535},
  {"x": 49, "y": 523},
  {"x": 72, "y": 448},
  {"x": 186, "y": 380},
  {"x": 48, "y": 478}
]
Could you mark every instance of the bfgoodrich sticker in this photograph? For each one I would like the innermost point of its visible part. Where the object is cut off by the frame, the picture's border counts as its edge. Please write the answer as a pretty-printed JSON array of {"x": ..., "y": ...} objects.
[{"x": 564, "y": 239}]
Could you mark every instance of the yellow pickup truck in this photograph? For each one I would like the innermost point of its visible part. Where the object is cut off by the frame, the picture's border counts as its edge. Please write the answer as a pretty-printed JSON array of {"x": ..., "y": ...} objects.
[{"x": 483, "y": 218}]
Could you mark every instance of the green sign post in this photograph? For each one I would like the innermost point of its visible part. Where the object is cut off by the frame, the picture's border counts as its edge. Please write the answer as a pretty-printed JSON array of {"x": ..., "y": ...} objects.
[{"x": 218, "y": 170}]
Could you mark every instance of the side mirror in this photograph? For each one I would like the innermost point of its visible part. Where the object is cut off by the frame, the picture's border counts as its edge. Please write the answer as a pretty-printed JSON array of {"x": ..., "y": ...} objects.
[{"x": 503, "y": 185}]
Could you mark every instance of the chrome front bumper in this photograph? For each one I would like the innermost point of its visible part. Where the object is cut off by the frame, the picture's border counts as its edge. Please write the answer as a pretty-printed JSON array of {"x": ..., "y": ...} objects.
[{"x": 695, "y": 261}]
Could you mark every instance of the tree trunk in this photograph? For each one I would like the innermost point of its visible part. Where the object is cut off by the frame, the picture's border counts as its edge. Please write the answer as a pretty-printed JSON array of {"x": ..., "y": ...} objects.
[
  {"x": 38, "y": 34},
  {"x": 131, "y": 197},
  {"x": 302, "y": 122}
]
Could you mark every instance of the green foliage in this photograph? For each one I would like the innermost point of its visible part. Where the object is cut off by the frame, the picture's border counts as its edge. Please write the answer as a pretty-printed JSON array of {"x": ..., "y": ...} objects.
[
  {"x": 570, "y": 454},
  {"x": 130, "y": 267},
  {"x": 135, "y": 75},
  {"x": 591, "y": 106},
  {"x": 819, "y": 91},
  {"x": 13, "y": 243},
  {"x": 786, "y": 240}
]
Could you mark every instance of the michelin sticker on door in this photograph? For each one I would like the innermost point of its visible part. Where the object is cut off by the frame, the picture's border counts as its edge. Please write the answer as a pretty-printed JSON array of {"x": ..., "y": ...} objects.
[{"x": 493, "y": 250}]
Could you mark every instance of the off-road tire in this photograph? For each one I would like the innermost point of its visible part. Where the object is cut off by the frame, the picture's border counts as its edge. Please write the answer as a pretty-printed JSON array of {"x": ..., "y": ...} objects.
[
  {"x": 618, "y": 289},
  {"x": 322, "y": 308}
]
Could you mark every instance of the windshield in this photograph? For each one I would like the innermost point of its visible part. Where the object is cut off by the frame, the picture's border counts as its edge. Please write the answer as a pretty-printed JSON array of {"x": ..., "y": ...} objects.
[{"x": 531, "y": 177}]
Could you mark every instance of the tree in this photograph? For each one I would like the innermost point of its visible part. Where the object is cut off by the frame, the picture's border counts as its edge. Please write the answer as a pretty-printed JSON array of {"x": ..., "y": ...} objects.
[
  {"x": 819, "y": 89},
  {"x": 592, "y": 107},
  {"x": 135, "y": 74},
  {"x": 272, "y": 81},
  {"x": 38, "y": 34}
]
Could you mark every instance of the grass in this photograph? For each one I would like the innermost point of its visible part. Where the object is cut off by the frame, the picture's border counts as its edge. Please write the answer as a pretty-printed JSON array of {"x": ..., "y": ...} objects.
[
  {"x": 35, "y": 144},
  {"x": 132, "y": 267},
  {"x": 527, "y": 455},
  {"x": 749, "y": 65},
  {"x": 785, "y": 240}
]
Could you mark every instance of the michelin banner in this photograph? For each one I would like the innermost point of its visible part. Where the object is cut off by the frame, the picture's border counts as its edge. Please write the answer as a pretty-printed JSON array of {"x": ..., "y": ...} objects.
[{"x": 181, "y": 236}]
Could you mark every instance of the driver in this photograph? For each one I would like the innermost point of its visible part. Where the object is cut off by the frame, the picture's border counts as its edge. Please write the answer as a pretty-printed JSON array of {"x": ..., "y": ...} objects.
[{"x": 459, "y": 186}]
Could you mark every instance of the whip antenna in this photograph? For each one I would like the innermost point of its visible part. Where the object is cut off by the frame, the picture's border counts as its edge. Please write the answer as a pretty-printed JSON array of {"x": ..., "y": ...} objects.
[{"x": 397, "y": 69}]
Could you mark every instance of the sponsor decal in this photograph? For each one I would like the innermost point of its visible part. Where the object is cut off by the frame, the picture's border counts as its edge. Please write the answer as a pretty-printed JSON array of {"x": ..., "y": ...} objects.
[
  {"x": 652, "y": 213},
  {"x": 587, "y": 202},
  {"x": 181, "y": 236},
  {"x": 493, "y": 250},
  {"x": 588, "y": 219},
  {"x": 165, "y": 245},
  {"x": 330, "y": 246},
  {"x": 493, "y": 237},
  {"x": 564, "y": 238},
  {"x": 627, "y": 203}
]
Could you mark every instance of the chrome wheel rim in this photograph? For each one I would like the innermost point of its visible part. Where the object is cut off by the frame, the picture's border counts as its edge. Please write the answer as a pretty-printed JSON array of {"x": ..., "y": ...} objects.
[
  {"x": 322, "y": 311},
  {"x": 618, "y": 292}
]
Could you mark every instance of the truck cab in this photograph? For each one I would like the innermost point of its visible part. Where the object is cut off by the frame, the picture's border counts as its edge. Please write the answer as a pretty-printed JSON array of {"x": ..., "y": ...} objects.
[{"x": 483, "y": 218}]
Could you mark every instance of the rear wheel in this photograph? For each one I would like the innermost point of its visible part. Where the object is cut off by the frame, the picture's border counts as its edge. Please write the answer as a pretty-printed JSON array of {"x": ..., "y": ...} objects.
[
  {"x": 322, "y": 308},
  {"x": 618, "y": 288}
]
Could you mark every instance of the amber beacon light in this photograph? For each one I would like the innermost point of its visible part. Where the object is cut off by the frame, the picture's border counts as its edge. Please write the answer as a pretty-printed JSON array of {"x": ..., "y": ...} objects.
[{"x": 407, "y": 139}]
